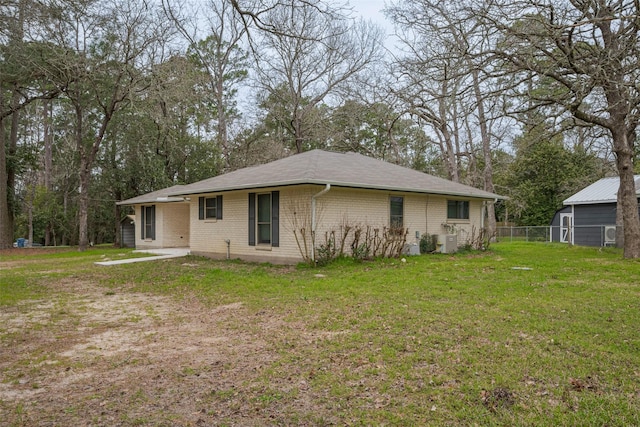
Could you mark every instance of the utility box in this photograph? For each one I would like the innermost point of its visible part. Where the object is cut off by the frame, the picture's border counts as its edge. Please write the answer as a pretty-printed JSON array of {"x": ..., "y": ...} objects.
[
  {"x": 447, "y": 243},
  {"x": 411, "y": 249}
]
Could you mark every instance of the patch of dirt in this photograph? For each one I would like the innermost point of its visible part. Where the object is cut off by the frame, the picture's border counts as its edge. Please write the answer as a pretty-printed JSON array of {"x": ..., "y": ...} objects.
[{"x": 92, "y": 356}]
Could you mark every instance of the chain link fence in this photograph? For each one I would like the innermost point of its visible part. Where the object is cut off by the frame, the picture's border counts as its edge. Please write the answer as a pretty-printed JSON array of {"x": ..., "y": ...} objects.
[
  {"x": 525, "y": 234},
  {"x": 586, "y": 235}
]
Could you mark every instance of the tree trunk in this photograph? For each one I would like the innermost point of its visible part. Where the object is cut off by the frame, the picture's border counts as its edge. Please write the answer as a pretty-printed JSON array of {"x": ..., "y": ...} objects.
[
  {"x": 10, "y": 168},
  {"x": 8, "y": 172},
  {"x": 486, "y": 151},
  {"x": 223, "y": 138},
  {"x": 627, "y": 193},
  {"x": 117, "y": 216},
  {"x": 30, "y": 216},
  {"x": 83, "y": 208},
  {"x": 6, "y": 226},
  {"x": 87, "y": 158},
  {"x": 619, "y": 222},
  {"x": 64, "y": 240},
  {"x": 443, "y": 122},
  {"x": 296, "y": 123},
  {"x": 48, "y": 166},
  {"x": 84, "y": 176}
]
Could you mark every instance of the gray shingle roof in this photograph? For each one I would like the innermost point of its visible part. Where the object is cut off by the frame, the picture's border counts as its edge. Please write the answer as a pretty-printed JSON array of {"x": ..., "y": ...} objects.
[
  {"x": 338, "y": 169},
  {"x": 604, "y": 190},
  {"x": 155, "y": 196}
]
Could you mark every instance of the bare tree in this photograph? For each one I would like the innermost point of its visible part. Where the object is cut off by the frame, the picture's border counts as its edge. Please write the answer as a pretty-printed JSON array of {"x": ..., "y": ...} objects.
[
  {"x": 445, "y": 80},
  {"x": 257, "y": 13},
  {"x": 431, "y": 77},
  {"x": 588, "y": 51},
  {"x": 308, "y": 58},
  {"x": 220, "y": 56}
]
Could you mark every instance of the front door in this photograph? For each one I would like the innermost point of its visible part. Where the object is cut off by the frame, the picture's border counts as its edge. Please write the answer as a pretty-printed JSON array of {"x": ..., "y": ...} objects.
[{"x": 566, "y": 227}]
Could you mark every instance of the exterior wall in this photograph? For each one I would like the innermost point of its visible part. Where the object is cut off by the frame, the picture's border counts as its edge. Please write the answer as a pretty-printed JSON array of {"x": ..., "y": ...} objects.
[
  {"x": 589, "y": 222},
  {"x": 339, "y": 206},
  {"x": 208, "y": 237},
  {"x": 172, "y": 226},
  {"x": 422, "y": 213},
  {"x": 175, "y": 225}
]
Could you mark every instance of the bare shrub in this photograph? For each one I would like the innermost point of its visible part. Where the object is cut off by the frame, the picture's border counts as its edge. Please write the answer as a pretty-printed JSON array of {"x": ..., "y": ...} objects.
[{"x": 479, "y": 239}]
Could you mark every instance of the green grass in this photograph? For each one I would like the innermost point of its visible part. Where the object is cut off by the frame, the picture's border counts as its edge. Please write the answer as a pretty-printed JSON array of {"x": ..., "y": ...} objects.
[
  {"x": 525, "y": 334},
  {"x": 24, "y": 275}
]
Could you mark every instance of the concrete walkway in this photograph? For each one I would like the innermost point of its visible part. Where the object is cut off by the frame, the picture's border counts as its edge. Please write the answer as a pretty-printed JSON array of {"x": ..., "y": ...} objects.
[{"x": 160, "y": 254}]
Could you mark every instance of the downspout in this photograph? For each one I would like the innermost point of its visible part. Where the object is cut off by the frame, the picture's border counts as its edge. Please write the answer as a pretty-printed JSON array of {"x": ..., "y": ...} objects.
[
  {"x": 426, "y": 216},
  {"x": 313, "y": 220},
  {"x": 494, "y": 237}
]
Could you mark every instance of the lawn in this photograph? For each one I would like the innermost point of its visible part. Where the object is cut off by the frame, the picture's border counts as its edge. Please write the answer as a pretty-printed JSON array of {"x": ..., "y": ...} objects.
[{"x": 523, "y": 334}]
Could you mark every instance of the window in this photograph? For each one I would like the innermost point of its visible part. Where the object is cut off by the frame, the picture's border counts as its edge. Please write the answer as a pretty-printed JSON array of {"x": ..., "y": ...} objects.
[
  {"x": 210, "y": 207},
  {"x": 264, "y": 218},
  {"x": 148, "y": 222},
  {"x": 396, "y": 212},
  {"x": 457, "y": 209}
]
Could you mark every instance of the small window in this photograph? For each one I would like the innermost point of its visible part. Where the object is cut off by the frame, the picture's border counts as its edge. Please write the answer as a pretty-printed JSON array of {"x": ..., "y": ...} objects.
[
  {"x": 396, "y": 212},
  {"x": 264, "y": 218},
  {"x": 457, "y": 209},
  {"x": 211, "y": 208}
]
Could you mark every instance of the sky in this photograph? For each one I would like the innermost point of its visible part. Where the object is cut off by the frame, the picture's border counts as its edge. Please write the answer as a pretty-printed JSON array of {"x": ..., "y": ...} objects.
[
  {"x": 369, "y": 9},
  {"x": 372, "y": 9}
]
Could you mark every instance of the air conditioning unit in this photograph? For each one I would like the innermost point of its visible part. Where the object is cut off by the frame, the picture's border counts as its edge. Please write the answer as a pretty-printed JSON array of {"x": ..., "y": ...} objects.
[
  {"x": 609, "y": 235},
  {"x": 447, "y": 243}
]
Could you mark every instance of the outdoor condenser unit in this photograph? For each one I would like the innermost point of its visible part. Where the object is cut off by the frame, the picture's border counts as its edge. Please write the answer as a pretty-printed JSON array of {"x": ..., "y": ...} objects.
[
  {"x": 447, "y": 243},
  {"x": 609, "y": 235}
]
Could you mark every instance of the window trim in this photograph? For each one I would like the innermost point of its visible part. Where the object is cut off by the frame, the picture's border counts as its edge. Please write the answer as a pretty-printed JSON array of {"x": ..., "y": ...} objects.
[
  {"x": 462, "y": 210},
  {"x": 203, "y": 209}
]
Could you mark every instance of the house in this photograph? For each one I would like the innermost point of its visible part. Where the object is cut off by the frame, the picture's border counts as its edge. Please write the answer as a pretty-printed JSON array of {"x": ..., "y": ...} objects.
[
  {"x": 588, "y": 218},
  {"x": 162, "y": 221},
  {"x": 286, "y": 210}
]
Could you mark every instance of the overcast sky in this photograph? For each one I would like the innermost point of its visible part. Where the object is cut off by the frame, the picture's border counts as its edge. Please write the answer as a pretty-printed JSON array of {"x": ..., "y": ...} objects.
[
  {"x": 369, "y": 9},
  {"x": 372, "y": 9}
]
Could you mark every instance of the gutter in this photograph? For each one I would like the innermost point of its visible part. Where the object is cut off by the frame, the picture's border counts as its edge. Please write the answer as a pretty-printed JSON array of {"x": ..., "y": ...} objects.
[
  {"x": 313, "y": 219},
  {"x": 487, "y": 196}
]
